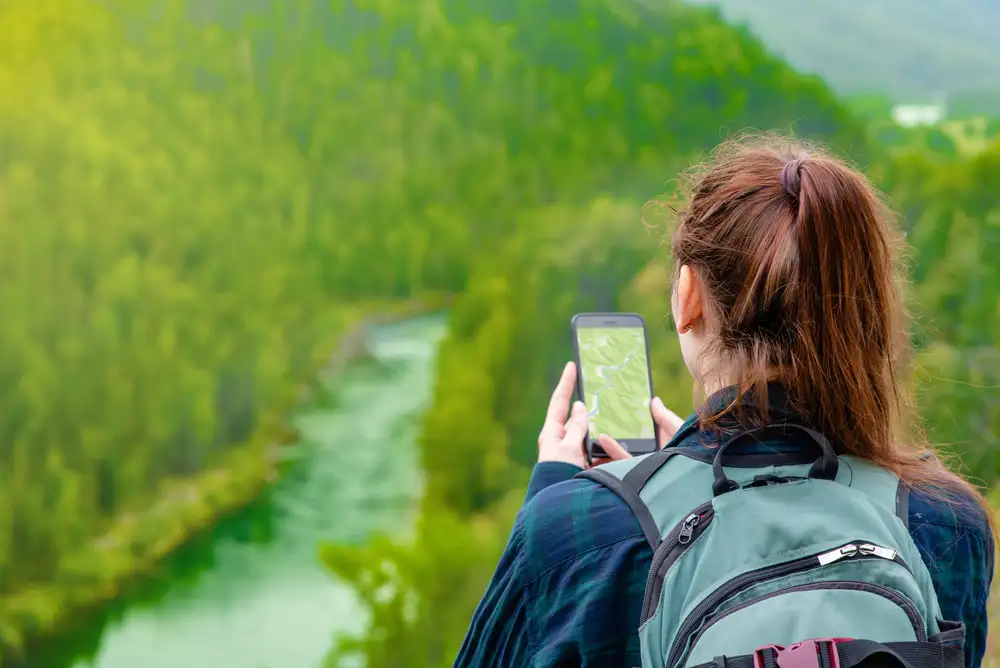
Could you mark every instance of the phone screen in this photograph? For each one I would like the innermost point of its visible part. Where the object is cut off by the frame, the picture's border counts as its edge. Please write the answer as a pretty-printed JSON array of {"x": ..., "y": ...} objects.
[{"x": 615, "y": 381}]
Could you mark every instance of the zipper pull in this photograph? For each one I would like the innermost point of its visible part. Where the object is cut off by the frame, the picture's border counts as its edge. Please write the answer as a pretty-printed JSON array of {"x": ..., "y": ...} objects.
[
  {"x": 881, "y": 552},
  {"x": 845, "y": 552},
  {"x": 687, "y": 529}
]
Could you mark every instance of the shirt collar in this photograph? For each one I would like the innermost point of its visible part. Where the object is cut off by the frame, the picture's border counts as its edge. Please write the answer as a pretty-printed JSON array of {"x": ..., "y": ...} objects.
[{"x": 780, "y": 409}]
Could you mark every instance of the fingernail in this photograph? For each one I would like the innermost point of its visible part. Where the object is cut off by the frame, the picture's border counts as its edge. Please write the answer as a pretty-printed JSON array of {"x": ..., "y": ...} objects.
[
  {"x": 657, "y": 402},
  {"x": 602, "y": 436},
  {"x": 578, "y": 407}
]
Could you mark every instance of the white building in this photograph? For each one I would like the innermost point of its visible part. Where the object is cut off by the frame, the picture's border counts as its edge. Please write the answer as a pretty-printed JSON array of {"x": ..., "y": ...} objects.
[{"x": 912, "y": 115}]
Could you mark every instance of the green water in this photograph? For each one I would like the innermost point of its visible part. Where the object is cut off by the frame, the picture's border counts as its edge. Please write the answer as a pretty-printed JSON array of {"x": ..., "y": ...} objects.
[{"x": 253, "y": 594}]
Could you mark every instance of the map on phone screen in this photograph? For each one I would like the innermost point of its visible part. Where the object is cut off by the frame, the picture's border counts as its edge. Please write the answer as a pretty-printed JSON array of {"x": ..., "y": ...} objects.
[{"x": 616, "y": 381}]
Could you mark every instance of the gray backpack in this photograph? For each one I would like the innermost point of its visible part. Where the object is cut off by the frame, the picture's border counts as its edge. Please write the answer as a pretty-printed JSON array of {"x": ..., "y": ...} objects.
[{"x": 779, "y": 561}]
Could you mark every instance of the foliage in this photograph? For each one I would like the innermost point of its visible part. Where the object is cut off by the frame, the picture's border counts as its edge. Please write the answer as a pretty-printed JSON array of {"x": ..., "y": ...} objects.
[
  {"x": 185, "y": 241},
  {"x": 953, "y": 225},
  {"x": 177, "y": 221},
  {"x": 136, "y": 344}
]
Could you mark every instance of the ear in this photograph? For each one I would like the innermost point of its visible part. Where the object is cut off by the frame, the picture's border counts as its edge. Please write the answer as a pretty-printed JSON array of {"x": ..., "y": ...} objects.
[{"x": 688, "y": 300}]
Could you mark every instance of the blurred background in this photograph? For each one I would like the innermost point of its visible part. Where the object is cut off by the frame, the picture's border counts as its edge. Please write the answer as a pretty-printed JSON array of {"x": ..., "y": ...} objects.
[{"x": 285, "y": 285}]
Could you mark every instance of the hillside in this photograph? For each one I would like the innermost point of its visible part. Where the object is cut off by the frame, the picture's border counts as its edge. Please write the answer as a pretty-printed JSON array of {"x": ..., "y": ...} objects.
[
  {"x": 193, "y": 226},
  {"x": 910, "y": 49}
]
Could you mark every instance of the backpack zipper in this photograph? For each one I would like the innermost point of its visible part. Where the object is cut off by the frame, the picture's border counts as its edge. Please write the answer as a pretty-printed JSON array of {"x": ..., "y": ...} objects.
[
  {"x": 864, "y": 549},
  {"x": 853, "y": 550},
  {"x": 673, "y": 546},
  {"x": 852, "y": 585}
]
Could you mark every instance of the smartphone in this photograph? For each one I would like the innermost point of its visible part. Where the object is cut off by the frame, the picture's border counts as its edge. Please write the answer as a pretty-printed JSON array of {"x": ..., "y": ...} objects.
[{"x": 614, "y": 380}]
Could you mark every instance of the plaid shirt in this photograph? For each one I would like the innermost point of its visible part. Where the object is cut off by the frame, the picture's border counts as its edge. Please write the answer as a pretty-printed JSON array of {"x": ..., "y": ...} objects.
[{"x": 569, "y": 586}]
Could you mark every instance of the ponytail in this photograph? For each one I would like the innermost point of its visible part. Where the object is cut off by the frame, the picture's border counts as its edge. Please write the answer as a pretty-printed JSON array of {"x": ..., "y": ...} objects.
[
  {"x": 850, "y": 322},
  {"x": 795, "y": 251}
]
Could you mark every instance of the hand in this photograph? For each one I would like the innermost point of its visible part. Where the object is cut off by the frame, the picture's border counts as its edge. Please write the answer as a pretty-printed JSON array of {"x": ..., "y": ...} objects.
[
  {"x": 561, "y": 440},
  {"x": 666, "y": 421}
]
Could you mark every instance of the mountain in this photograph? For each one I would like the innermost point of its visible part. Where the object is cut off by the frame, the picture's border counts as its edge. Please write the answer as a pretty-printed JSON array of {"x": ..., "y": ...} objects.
[{"x": 911, "y": 50}]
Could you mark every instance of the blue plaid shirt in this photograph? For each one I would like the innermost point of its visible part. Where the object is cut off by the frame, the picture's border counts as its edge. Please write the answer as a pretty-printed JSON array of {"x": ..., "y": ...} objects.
[{"x": 568, "y": 589}]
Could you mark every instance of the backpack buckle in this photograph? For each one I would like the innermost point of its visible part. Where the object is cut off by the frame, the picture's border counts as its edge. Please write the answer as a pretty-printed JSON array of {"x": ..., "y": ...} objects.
[{"x": 805, "y": 654}]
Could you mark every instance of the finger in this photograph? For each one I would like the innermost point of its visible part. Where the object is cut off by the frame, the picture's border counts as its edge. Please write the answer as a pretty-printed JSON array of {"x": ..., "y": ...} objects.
[
  {"x": 576, "y": 428},
  {"x": 555, "y": 416},
  {"x": 668, "y": 421},
  {"x": 613, "y": 448}
]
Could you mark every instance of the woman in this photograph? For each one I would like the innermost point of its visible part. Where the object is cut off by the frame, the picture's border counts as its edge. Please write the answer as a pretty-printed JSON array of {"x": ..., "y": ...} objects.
[{"x": 786, "y": 306}]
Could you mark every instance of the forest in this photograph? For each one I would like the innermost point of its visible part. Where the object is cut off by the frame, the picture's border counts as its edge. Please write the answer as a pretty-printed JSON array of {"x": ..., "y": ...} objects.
[{"x": 198, "y": 198}]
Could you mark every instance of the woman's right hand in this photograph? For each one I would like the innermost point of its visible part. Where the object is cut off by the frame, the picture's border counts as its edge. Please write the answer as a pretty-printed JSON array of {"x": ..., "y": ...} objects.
[
  {"x": 561, "y": 439},
  {"x": 667, "y": 422}
]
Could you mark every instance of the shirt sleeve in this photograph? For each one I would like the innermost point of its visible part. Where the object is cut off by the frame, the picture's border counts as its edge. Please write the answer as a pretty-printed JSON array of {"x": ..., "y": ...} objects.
[
  {"x": 956, "y": 544},
  {"x": 498, "y": 633},
  {"x": 976, "y": 610},
  {"x": 546, "y": 474}
]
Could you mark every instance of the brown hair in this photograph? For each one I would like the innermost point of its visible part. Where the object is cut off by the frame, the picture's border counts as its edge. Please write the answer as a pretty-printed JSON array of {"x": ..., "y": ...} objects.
[{"x": 798, "y": 257}]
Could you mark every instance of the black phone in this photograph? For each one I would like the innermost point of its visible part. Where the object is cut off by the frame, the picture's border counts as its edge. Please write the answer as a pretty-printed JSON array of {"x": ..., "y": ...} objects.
[{"x": 614, "y": 380}]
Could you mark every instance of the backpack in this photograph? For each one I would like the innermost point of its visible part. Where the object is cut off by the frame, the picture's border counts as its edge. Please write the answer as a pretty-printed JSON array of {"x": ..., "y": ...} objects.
[{"x": 779, "y": 561}]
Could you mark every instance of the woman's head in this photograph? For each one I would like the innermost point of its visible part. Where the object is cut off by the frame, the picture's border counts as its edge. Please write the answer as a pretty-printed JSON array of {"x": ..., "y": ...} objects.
[{"x": 785, "y": 271}]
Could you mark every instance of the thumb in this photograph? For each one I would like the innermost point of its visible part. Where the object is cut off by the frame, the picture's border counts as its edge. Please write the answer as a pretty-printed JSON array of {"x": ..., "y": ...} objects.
[
  {"x": 576, "y": 428},
  {"x": 668, "y": 421}
]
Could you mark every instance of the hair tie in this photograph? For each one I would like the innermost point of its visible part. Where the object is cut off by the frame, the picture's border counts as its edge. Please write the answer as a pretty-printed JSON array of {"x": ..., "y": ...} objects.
[{"x": 790, "y": 177}]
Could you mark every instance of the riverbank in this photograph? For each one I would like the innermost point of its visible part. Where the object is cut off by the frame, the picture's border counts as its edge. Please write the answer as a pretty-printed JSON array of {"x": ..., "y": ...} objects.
[{"x": 184, "y": 508}]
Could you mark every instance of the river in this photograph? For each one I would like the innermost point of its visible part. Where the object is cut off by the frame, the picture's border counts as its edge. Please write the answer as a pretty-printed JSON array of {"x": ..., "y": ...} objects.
[{"x": 253, "y": 594}]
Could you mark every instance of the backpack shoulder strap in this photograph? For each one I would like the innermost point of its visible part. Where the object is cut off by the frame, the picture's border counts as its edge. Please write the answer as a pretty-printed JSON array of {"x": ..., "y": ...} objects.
[
  {"x": 903, "y": 496},
  {"x": 880, "y": 484},
  {"x": 628, "y": 487},
  {"x": 903, "y": 503},
  {"x": 628, "y": 478}
]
